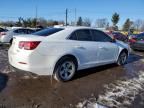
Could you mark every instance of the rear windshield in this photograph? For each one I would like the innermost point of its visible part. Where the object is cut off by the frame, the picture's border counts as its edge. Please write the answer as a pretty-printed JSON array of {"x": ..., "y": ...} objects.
[
  {"x": 47, "y": 31},
  {"x": 3, "y": 30}
]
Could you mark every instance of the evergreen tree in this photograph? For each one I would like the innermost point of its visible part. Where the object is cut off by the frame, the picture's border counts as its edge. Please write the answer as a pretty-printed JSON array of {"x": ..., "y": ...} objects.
[
  {"x": 80, "y": 21},
  {"x": 115, "y": 19},
  {"x": 127, "y": 25}
]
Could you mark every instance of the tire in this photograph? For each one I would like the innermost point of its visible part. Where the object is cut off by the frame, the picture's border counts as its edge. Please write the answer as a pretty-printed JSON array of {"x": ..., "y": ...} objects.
[
  {"x": 11, "y": 41},
  {"x": 65, "y": 69},
  {"x": 122, "y": 58}
]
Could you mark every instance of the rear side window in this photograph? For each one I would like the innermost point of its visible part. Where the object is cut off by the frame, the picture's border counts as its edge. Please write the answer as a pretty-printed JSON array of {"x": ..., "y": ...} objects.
[
  {"x": 73, "y": 36},
  {"x": 100, "y": 36},
  {"x": 81, "y": 35},
  {"x": 47, "y": 31}
]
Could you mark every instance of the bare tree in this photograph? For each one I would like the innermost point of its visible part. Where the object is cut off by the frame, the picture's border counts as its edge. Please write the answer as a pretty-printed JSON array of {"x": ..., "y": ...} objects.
[
  {"x": 142, "y": 27},
  {"x": 102, "y": 23},
  {"x": 42, "y": 22},
  {"x": 138, "y": 24},
  {"x": 86, "y": 22}
]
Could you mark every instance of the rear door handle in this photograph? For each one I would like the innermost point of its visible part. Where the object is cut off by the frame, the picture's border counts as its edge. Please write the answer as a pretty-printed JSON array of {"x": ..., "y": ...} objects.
[
  {"x": 103, "y": 48},
  {"x": 79, "y": 47}
]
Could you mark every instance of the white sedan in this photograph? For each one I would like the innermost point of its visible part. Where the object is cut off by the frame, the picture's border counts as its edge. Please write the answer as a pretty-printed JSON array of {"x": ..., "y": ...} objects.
[
  {"x": 62, "y": 51},
  {"x": 7, "y": 36}
]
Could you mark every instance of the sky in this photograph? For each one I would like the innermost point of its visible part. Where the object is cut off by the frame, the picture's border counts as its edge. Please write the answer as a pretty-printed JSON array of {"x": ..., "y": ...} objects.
[{"x": 55, "y": 9}]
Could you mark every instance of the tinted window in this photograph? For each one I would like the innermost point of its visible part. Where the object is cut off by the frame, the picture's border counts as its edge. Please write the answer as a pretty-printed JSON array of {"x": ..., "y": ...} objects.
[
  {"x": 21, "y": 31},
  {"x": 73, "y": 36},
  {"x": 3, "y": 30},
  {"x": 100, "y": 36},
  {"x": 81, "y": 35},
  {"x": 47, "y": 32},
  {"x": 29, "y": 31}
]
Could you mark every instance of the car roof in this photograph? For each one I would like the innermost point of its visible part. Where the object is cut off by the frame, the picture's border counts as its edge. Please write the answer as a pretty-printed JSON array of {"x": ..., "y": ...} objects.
[
  {"x": 62, "y": 35},
  {"x": 76, "y": 27}
]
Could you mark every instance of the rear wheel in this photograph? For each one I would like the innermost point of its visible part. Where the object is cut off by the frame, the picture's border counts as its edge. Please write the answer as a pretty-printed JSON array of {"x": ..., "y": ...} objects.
[
  {"x": 122, "y": 58},
  {"x": 65, "y": 69},
  {"x": 11, "y": 41}
]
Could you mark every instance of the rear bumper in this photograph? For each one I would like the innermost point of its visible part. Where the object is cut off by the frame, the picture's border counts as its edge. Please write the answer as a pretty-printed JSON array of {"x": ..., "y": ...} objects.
[
  {"x": 34, "y": 63},
  {"x": 137, "y": 46}
]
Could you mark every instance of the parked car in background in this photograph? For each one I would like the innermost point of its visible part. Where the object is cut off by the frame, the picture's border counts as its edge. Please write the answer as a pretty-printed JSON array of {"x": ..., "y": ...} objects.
[
  {"x": 137, "y": 42},
  {"x": 118, "y": 36},
  {"x": 2, "y": 30},
  {"x": 131, "y": 36},
  {"x": 62, "y": 51},
  {"x": 7, "y": 36}
]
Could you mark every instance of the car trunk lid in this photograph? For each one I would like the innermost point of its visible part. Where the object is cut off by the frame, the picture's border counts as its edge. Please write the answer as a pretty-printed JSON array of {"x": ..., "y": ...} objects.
[{"x": 25, "y": 42}]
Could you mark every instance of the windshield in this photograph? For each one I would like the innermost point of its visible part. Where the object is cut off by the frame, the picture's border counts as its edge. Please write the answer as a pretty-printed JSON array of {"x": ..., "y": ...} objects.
[{"x": 47, "y": 31}]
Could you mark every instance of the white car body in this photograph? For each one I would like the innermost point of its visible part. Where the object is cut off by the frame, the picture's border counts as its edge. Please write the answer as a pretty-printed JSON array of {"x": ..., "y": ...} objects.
[{"x": 43, "y": 58}]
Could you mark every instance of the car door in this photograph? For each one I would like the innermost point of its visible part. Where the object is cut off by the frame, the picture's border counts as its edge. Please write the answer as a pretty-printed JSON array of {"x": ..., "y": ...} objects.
[
  {"x": 85, "y": 48},
  {"x": 107, "y": 50}
]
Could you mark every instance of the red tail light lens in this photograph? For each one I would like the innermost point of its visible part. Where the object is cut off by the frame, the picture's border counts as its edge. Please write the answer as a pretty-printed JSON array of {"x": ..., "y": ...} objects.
[
  {"x": 2, "y": 33},
  {"x": 28, "y": 45},
  {"x": 132, "y": 40}
]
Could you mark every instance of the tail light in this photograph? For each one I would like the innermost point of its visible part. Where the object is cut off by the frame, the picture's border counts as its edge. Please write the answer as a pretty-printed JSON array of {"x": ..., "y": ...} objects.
[
  {"x": 2, "y": 33},
  {"x": 132, "y": 40},
  {"x": 28, "y": 45}
]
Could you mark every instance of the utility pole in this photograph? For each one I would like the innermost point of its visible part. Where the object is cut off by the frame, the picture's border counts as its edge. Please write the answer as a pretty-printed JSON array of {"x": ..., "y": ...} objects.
[
  {"x": 66, "y": 17},
  {"x": 75, "y": 17},
  {"x": 36, "y": 15}
]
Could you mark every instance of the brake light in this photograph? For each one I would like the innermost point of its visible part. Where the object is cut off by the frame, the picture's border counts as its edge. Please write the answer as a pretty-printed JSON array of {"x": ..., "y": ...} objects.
[
  {"x": 133, "y": 40},
  {"x": 2, "y": 33},
  {"x": 28, "y": 45}
]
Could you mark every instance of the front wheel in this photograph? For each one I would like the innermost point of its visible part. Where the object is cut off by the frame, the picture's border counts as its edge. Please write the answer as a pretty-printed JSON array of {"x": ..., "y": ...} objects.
[
  {"x": 65, "y": 69},
  {"x": 122, "y": 58}
]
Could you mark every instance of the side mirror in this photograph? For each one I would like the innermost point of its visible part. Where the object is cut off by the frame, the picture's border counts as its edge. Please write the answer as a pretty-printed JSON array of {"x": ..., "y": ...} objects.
[{"x": 113, "y": 40}]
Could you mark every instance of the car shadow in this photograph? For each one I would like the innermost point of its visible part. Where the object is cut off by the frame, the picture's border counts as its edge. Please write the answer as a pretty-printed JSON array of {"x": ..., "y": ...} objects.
[
  {"x": 86, "y": 72},
  {"x": 134, "y": 57},
  {"x": 82, "y": 73},
  {"x": 3, "y": 81}
]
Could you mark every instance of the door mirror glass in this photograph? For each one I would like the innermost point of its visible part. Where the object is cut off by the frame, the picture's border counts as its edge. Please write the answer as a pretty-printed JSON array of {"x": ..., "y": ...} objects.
[{"x": 113, "y": 39}]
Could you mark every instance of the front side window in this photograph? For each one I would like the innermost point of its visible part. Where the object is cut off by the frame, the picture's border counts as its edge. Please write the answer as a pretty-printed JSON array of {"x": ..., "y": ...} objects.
[{"x": 100, "y": 36}]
